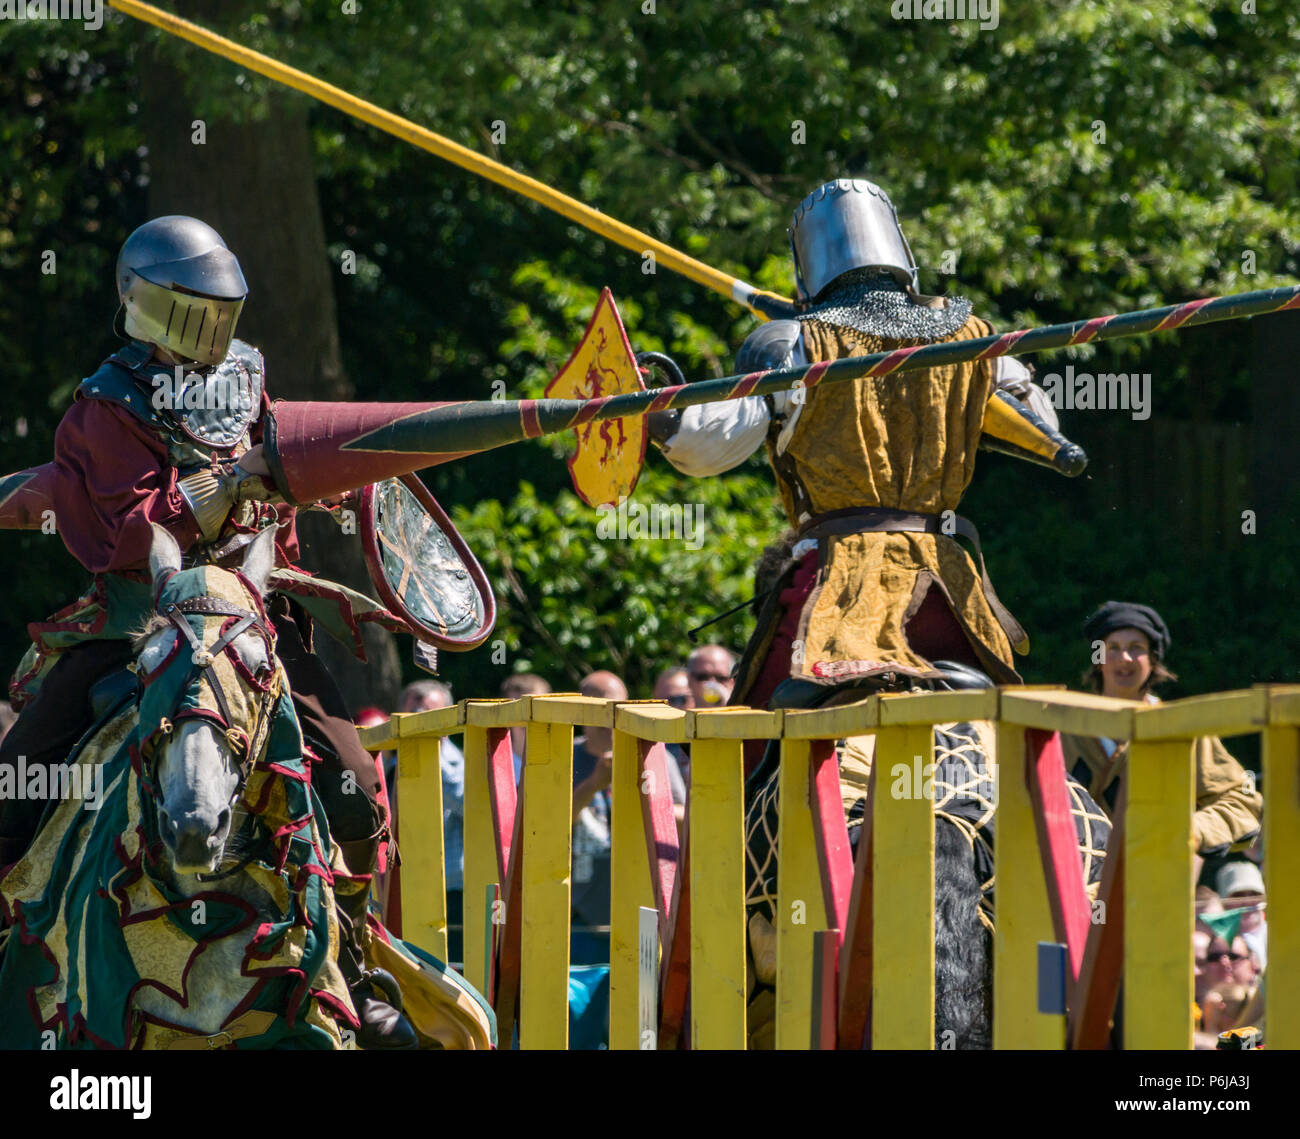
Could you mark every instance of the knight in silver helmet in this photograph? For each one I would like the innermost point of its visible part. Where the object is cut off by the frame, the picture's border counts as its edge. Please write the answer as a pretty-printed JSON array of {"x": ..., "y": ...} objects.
[
  {"x": 167, "y": 432},
  {"x": 181, "y": 289},
  {"x": 867, "y": 470},
  {"x": 854, "y": 267}
]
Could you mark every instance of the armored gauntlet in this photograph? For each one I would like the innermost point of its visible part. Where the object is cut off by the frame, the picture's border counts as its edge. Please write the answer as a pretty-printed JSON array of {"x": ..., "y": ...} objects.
[{"x": 211, "y": 497}]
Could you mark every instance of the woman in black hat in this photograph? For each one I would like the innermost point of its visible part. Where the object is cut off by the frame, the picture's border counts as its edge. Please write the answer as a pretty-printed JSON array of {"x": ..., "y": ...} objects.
[{"x": 1130, "y": 643}]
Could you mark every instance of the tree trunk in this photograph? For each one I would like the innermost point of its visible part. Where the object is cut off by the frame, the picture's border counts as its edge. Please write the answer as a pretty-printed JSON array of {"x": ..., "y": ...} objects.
[{"x": 253, "y": 182}]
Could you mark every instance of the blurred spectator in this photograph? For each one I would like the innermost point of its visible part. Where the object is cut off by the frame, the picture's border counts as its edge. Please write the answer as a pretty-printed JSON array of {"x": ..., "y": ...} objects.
[
  {"x": 517, "y": 685},
  {"x": 1201, "y": 939},
  {"x": 1238, "y": 879},
  {"x": 369, "y": 716},
  {"x": 674, "y": 687},
  {"x": 423, "y": 696},
  {"x": 1207, "y": 906},
  {"x": 593, "y": 757},
  {"x": 1135, "y": 644},
  {"x": 709, "y": 670},
  {"x": 1232, "y": 971},
  {"x": 7, "y": 718},
  {"x": 1241, "y": 886}
]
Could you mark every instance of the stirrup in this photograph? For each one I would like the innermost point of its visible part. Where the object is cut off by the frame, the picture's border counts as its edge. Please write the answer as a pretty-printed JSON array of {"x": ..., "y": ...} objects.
[{"x": 384, "y": 982}]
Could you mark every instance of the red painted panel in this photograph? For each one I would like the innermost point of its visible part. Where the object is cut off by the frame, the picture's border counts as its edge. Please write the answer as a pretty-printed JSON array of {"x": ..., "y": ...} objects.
[
  {"x": 501, "y": 789},
  {"x": 826, "y": 950},
  {"x": 510, "y": 955},
  {"x": 675, "y": 966},
  {"x": 855, "y": 953},
  {"x": 660, "y": 827},
  {"x": 834, "y": 855},
  {"x": 1058, "y": 844},
  {"x": 1103, "y": 958}
]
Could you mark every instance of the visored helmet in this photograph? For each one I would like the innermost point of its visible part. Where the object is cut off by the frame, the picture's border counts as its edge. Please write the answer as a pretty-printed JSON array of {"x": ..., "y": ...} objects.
[
  {"x": 845, "y": 225},
  {"x": 181, "y": 288}
]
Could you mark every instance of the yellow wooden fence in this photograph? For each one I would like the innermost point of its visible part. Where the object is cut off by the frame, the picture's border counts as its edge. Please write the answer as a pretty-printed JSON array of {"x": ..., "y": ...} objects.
[{"x": 1155, "y": 841}]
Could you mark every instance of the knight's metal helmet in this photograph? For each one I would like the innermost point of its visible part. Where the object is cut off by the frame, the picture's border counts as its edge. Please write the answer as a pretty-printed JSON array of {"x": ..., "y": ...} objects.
[
  {"x": 181, "y": 288},
  {"x": 845, "y": 225}
]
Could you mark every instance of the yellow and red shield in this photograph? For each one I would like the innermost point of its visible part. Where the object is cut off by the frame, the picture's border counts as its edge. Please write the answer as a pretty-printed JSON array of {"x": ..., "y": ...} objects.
[{"x": 610, "y": 452}]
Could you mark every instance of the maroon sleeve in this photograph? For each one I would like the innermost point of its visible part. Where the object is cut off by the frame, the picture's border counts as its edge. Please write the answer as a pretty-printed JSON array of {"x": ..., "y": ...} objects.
[{"x": 113, "y": 480}]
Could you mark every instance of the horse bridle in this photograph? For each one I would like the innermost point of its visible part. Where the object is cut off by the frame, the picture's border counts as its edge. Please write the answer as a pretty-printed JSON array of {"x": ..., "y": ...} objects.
[{"x": 202, "y": 659}]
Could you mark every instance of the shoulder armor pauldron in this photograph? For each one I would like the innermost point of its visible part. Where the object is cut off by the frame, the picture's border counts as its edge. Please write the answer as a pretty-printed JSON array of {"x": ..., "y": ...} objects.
[
  {"x": 768, "y": 346},
  {"x": 213, "y": 408}
]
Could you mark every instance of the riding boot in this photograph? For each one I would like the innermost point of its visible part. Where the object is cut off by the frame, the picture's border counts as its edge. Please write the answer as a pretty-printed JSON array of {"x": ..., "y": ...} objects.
[{"x": 375, "y": 992}]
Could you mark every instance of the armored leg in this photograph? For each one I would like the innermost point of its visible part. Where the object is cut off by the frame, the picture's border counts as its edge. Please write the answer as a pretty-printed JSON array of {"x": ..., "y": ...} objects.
[{"x": 375, "y": 992}]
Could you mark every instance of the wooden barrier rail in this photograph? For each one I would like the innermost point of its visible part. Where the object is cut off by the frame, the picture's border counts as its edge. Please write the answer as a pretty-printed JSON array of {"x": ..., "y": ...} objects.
[{"x": 854, "y": 937}]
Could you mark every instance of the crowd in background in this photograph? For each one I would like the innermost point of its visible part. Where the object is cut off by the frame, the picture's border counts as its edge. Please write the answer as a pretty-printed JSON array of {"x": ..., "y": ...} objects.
[
  {"x": 1230, "y": 944},
  {"x": 702, "y": 681}
]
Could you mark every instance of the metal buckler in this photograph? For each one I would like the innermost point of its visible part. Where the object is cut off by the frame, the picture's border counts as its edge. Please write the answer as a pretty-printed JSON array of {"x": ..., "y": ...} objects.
[{"x": 221, "y": 1039}]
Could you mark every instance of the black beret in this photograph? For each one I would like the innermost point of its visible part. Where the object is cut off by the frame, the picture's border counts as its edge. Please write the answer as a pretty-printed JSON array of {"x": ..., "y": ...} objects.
[{"x": 1129, "y": 615}]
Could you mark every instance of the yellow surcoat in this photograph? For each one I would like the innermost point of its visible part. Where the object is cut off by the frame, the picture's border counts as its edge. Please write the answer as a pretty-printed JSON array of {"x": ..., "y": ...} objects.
[{"x": 907, "y": 442}]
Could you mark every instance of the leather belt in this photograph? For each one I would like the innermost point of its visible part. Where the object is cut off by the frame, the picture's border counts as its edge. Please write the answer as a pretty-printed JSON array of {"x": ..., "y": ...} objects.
[{"x": 885, "y": 519}]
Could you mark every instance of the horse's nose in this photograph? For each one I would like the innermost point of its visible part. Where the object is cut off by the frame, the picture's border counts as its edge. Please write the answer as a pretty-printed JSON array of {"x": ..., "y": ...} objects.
[{"x": 192, "y": 840}]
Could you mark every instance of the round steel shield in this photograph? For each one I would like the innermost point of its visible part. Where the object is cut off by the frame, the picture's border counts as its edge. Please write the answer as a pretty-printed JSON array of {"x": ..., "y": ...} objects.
[{"x": 422, "y": 568}]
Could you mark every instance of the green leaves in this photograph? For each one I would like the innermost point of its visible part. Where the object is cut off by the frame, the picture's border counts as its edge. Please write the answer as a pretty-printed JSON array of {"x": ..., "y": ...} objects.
[
  {"x": 574, "y": 597},
  {"x": 1085, "y": 157}
]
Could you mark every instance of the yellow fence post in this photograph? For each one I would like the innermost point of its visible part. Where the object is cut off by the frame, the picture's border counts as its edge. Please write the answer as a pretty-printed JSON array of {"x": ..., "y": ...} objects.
[
  {"x": 480, "y": 854},
  {"x": 630, "y": 889},
  {"x": 1281, "y": 857},
  {"x": 419, "y": 806},
  {"x": 1023, "y": 915},
  {"x": 717, "y": 885},
  {"x": 902, "y": 822},
  {"x": 1159, "y": 901},
  {"x": 800, "y": 911},
  {"x": 547, "y": 838}
]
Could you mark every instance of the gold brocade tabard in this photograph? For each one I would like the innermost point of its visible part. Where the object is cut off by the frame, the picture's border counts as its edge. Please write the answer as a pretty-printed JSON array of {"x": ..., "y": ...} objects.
[{"x": 905, "y": 441}]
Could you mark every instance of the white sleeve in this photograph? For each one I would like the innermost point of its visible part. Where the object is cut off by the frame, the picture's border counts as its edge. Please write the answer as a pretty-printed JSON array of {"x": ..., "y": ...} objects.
[{"x": 714, "y": 437}]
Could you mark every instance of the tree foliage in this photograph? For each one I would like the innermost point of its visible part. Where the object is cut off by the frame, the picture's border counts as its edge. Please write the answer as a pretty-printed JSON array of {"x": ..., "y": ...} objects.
[{"x": 1083, "y": 157}]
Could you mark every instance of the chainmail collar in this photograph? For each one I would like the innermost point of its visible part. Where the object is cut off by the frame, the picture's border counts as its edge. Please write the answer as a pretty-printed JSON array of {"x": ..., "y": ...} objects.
[{"x": 873, "y": 302}]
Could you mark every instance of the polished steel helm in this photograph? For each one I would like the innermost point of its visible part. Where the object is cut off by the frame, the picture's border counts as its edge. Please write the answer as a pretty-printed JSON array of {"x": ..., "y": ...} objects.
[
  {"x": 181, "y": 288},
  {"x": 845, "y": 225}
]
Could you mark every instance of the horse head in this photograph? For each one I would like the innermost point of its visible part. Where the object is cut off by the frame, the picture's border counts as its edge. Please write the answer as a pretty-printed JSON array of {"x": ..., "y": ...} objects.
[{"x": 209, "y": 685}]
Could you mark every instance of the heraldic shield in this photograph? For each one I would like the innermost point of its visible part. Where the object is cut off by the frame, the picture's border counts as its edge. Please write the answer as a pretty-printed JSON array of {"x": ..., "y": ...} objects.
[
  {"x": 422, "y": 568},
  {"x": 610, "y": 452}
]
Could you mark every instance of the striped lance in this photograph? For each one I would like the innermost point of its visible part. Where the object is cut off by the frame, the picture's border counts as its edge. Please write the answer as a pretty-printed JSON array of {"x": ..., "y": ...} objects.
[
  {"x": 317, "y": 450},
  {"x": 322, "y": 449}
]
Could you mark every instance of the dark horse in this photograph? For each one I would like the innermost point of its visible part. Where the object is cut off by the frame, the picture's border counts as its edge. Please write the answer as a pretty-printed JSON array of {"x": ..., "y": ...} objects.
[{"x": 965, "y": 813}]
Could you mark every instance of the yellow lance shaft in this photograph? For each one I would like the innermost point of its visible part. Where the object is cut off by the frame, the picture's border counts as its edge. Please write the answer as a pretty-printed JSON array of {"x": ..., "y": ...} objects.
[{"x": 764, "y": 304}]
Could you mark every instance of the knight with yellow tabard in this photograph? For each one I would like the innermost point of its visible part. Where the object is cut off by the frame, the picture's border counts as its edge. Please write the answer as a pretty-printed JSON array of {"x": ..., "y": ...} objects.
[{"x": 870, "y": 472}]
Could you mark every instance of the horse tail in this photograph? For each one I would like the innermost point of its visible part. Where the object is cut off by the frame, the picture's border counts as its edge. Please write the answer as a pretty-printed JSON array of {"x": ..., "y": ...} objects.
[{"x": 963, "y": 960}]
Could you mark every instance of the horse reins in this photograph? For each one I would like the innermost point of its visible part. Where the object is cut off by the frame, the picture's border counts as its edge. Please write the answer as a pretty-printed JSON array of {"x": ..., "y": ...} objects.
[{"x": 203, "y": 658}]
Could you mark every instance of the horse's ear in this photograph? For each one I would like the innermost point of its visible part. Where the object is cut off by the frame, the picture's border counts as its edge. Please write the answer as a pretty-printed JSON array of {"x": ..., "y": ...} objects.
[
  {"x": 164, "y": 555},
  {"x": 259, "y": 561}
]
